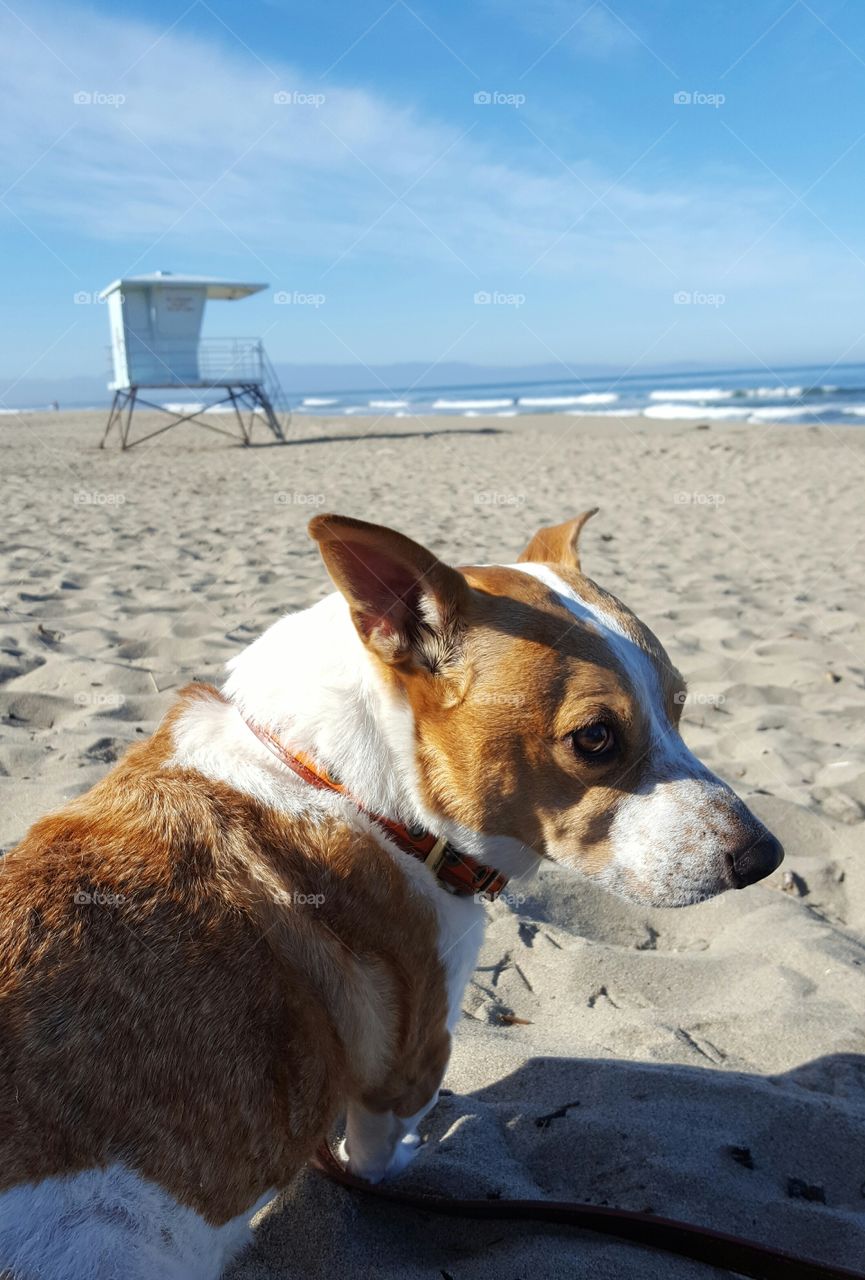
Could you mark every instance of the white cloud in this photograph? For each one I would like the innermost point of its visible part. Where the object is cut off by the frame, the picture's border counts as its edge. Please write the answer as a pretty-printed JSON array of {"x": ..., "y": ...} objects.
[
  {"x": 200, "y": 148},
  {"x": 585, "y": 28}
]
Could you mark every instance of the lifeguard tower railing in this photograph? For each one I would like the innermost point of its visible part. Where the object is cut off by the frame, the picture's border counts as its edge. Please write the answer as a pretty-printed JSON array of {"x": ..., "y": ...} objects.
[
  {"x": 239, "y": 366},
  {"x": 209, "y": 362}
]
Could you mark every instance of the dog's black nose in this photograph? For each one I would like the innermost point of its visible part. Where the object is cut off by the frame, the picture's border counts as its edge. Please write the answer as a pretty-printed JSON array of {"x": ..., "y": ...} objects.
[{"x": 757, "y": 860}]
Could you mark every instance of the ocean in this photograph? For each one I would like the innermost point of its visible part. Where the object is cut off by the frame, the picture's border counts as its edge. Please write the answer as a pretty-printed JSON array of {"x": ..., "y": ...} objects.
[
  {"x": 802, "y": 394},
  {"x": 806, "y": 393}
]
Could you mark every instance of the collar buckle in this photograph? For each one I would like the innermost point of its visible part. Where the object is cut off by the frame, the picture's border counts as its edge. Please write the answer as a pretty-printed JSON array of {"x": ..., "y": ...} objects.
[{"x": 456, "y": 871}]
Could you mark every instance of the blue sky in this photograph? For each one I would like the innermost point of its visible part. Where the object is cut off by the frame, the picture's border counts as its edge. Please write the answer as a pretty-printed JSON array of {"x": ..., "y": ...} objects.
[{"x": 339, "y": 151}]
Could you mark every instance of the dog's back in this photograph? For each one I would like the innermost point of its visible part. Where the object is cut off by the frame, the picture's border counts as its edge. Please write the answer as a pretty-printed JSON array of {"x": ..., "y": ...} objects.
[{"x": 155, "y": 1061}]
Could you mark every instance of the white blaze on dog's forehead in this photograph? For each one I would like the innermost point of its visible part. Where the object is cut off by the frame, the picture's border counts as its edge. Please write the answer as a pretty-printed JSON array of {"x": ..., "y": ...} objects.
[{"x": 639, "y": 665}]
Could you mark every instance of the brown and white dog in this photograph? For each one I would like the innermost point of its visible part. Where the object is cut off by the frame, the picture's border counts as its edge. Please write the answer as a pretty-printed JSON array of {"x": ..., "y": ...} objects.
[{"x": 219, "y": 949}]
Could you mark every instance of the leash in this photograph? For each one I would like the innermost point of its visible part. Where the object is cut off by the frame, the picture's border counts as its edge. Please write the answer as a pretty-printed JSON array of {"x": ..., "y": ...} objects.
[{"x": 715, "y": 1248}]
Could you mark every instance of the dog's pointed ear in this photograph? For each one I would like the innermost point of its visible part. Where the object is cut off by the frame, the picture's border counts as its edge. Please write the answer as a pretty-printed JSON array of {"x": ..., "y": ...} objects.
[
  {"x": 558, "y": 544},
  {"x": 407, "y": 606}
]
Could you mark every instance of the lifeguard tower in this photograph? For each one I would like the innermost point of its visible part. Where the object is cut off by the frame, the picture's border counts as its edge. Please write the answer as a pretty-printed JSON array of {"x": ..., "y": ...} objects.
[{"x": 156, "y": 342}]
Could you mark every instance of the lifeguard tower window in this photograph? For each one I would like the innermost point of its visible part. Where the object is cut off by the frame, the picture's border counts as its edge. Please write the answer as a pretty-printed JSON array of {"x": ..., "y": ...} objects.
[{"x": 156, "y": 341}]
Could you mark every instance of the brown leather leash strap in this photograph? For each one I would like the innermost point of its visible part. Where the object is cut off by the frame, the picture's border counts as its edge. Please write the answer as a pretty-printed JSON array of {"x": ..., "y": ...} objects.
[{"x": 715, "y": 1248}]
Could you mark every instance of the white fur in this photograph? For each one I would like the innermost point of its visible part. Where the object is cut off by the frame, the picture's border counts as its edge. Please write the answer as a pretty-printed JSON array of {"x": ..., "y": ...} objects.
[
  {"x": 380, "y": 1146},
  {"x": 213, "y": 738},
  {"x": 670, "y": 838},
  {"x": 105, "y": 1224},
  {"x": 309, "y": 680}
]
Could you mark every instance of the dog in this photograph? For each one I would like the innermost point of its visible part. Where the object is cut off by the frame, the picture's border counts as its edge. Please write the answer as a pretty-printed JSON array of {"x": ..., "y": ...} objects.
[{"x": 264, "y": 917}]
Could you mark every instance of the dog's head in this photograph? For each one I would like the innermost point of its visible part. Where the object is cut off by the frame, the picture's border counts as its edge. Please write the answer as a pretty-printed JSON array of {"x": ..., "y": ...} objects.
[{"x": 543, "y": 710}]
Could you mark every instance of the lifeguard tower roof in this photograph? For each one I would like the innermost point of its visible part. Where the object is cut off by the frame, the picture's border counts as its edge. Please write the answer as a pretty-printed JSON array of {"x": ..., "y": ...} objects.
[{"x": 214, "y": 287}]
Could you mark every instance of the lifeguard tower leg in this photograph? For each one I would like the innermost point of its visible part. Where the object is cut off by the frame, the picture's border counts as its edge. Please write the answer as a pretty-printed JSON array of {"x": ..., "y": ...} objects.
[
  {"x": 260, "y": 396},
  {"x": 124, "y": 436},
  {"x": 113, "y": 417}
]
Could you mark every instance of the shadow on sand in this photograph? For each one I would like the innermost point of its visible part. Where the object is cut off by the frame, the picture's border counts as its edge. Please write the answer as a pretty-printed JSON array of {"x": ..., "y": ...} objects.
[
  {"x": 345, "y": 438},
  {"x": 777, "y": 1159}
]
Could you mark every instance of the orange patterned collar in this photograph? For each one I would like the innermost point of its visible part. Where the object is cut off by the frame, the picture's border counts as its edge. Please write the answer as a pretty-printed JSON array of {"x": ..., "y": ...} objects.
[{"x": 458, "y": 872}]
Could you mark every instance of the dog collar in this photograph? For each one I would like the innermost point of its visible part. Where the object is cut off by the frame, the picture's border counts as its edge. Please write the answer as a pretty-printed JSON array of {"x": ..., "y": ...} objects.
[{"x": 458, "y": 872}]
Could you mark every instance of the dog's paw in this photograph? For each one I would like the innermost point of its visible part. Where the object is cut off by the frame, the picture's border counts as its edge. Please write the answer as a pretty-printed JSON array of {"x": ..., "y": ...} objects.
[
  {"x": 376, "y": 1170},
  {"x": 406, "y": 1151}
]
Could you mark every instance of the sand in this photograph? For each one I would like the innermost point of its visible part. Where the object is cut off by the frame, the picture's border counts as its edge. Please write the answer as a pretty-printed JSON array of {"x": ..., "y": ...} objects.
[{"x": 708, "y": 1063}]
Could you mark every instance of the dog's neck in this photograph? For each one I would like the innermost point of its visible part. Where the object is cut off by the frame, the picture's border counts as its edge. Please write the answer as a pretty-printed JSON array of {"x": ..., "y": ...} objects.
[{"x": 309, "y": 681}]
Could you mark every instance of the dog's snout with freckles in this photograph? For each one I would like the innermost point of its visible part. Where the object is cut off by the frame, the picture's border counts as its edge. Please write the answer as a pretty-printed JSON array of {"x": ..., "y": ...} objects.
[{"x": 679, "y": 840}]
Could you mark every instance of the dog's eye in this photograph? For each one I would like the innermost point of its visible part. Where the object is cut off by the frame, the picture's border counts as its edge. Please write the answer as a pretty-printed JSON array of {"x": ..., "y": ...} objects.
[{"x": 594, "y": 741}]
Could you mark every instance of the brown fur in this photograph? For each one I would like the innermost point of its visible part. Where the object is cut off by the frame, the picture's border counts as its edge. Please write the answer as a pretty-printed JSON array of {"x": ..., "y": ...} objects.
[
  {"x": 515, "y": 674},
  {"x": 501, "y": 761},
  {"x": 558, "y": 544},
  {"x": 203, "y": 1025}
]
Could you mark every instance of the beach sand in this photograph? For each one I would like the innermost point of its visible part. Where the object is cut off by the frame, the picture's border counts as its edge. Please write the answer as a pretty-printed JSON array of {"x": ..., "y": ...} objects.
[{"x": 708, "y": 1063}]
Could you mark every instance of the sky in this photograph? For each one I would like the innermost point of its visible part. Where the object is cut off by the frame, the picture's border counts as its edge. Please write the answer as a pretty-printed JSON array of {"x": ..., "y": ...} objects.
[{"x": 498, "y": 182}]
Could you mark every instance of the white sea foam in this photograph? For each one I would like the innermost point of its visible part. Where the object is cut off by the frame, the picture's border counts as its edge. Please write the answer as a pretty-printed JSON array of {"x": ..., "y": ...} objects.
[
  {"x": 183, "y": 409},
  {"x": 602, "y": 413},
  {"x": 693, "y": 411},
  {"x": 473, "y": 404},
  {"x": 388, "y": 404},
  {"x": 316, "y": 402},
  {"x": 589, "y": 397},
  {"x": 796, "y": 411},
  {"x": 712, "y": 393},
  {"x": 779, "y": 393}
]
